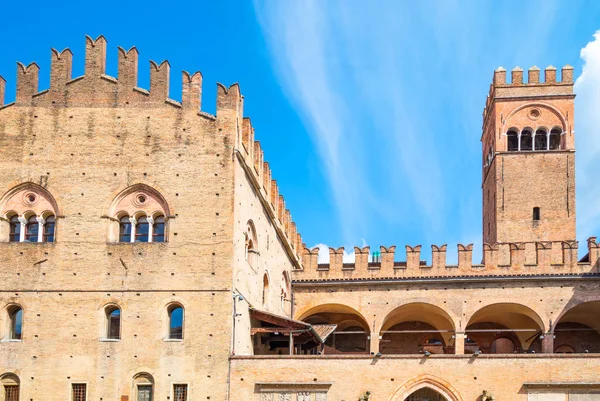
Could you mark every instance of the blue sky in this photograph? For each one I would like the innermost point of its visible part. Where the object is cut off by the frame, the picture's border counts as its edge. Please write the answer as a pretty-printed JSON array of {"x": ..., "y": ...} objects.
[{"x": 369, "y": 112}]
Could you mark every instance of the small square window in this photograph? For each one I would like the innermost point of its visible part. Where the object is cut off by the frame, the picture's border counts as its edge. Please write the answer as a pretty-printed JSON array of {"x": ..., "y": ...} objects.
[
  {"x": 79, "y": 391},
  {"x": 180, "y": 392}
]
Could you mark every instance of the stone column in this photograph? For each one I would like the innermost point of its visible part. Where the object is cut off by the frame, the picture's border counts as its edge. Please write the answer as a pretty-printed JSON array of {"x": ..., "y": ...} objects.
[
  {"x": 150, "y": 228},
  {"x": 41, "y": 223},
  {"x": 133, "y": 222},
  {"x": 23, "y": 222}
]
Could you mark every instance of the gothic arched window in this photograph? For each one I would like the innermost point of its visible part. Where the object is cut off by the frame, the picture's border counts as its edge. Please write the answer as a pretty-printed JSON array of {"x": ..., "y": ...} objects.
[{"x": 150, "y": 215}]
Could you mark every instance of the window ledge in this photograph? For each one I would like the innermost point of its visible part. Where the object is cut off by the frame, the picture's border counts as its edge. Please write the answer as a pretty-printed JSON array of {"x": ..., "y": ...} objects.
[
  {"x": 173, "y": 340},
  {"x": 10, "y": 340},
  {"x": 109, "y": 340}
]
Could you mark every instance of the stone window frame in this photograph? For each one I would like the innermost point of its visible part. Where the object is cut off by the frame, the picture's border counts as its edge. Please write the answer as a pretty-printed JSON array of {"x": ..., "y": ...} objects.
[
  {"x": 187, "y": 390},
  {"x": 169, "y": 308},
  {"x": 142, "y": 379},
  {"x": 9, "y": 379},
  {"x": 548, "y": 132},
  {"x": 136, "y": 202},
  {"x": 10, "y": 310},
  {"x": 27, "y": 201},
  {"x": 107, "y": 310},
  {"x": 72, "y": 390}
]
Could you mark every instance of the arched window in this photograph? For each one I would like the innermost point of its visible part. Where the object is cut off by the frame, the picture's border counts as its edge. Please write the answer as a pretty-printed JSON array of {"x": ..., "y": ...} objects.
[
  {"x": 158, "y": 229},
  {"x": 526, "y": 139},
  {"x": 175, "y": 322},
  {"x": 15, "y": 229},
  {"x": 513, "y": 141},
  {"x": 11, "y": 387},
  {"x": 113, "y": 323},
  {"x": 251, "y": 244},
  {"x": 124, "y": 229},
  {"x": 265, "y": 292},
  {"x": 555, "y": 138},
  {"x": 26, "y": 209},
  {"x": 541, "y": 140},
  {"x": 142, "y": 229},
  {"x": 150, "y": 213},
  {"x": 32, "y": 229},
  {"x": 49, "y": 226},
  {"x": 144, "y": 384},
  {"x": 15, "y": 318}
]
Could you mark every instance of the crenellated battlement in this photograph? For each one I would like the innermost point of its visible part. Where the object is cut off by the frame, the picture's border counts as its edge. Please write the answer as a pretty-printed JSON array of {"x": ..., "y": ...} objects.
[
  {"x": 500, "y": 259},
  {"x": 500, "y": 88},
  {"x": 252, "y": 155},
  {"x": 95, "y": 88}
]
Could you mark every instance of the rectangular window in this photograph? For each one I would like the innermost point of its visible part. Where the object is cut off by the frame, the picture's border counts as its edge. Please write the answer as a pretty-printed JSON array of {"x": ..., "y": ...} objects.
[
  {"x": 79, "y": 391},
  {"x": 536, "y": 214},
  {"x": 145, "y": 392},
  {"x": 180, "y": 392},
  {"x": 11, "y": 393}
]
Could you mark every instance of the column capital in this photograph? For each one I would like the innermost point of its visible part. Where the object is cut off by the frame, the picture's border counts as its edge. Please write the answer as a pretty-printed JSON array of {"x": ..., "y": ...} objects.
[
  {"x": 41, "y": 220},
  {"x": 22, "y": 220}
]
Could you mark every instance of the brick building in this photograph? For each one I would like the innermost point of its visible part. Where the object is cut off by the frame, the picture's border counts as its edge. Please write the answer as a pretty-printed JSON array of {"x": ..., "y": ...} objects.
[{"x": 147, "y": 254}]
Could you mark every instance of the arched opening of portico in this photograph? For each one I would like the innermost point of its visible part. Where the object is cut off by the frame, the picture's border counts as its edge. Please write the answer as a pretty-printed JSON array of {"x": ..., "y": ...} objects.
[{"x": 417, "y": 328}]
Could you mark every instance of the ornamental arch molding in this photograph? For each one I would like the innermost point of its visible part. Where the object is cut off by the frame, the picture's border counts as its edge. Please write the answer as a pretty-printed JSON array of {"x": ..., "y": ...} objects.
[
  {"x": 561, "y": 119},
  {"x": 438, "y": 384}
]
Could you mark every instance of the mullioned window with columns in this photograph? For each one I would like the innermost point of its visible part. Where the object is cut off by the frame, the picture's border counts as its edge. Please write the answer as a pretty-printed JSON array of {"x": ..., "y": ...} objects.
[
  {"x": 138, "y": 214},
  {"x": 28, "y": 214}
]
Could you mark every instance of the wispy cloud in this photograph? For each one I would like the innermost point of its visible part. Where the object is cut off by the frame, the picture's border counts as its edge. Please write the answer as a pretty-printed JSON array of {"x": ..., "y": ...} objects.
[
  {"x": 344, "y": 71},
  {"x": 587, "y": 121},
  {"x": 392, "y": 95}
]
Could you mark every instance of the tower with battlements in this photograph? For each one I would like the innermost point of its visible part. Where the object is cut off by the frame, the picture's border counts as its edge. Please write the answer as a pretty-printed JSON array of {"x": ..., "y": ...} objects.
[{"x": 528, "y": 158}]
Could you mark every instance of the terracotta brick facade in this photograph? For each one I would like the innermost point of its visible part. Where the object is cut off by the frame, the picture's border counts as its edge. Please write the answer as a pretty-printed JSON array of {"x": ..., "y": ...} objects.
[{"x": 108, "y": 162}]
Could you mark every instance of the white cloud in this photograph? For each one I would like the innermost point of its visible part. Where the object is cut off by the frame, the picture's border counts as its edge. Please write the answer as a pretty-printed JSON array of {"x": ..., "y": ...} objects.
[
  {"x": 349, "y": 257},
  {"x": 587, "y": 123}
]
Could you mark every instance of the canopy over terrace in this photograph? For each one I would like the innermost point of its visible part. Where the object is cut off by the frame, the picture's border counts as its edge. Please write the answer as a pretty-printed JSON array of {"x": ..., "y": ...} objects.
[{"x": 273, "y": 333}]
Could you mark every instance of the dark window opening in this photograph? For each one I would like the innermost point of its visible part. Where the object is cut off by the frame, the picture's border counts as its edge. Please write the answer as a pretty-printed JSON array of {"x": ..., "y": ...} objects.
[
  {"x": 113, "y": 316},
  {"x": 158, "y": 229},
  {"x": 49, "y": 229},
  {"x": 526, "y": 140},
  {"x": 78, "y": 391},
  {"x": 541, "y": 140},
  {"x": 555, "y": 139},
  {"x": 513, "y": 141},
  {"x": 124, "y": 229},
  {"x": 32, "y": 229},
  {"x": 15, "y": 315},
  {"x": 180, "y": 392},
  {"x": 536, "y": 214},
  {"x": 15, "y": 229},
  {"x": 142, "y": 230}
]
